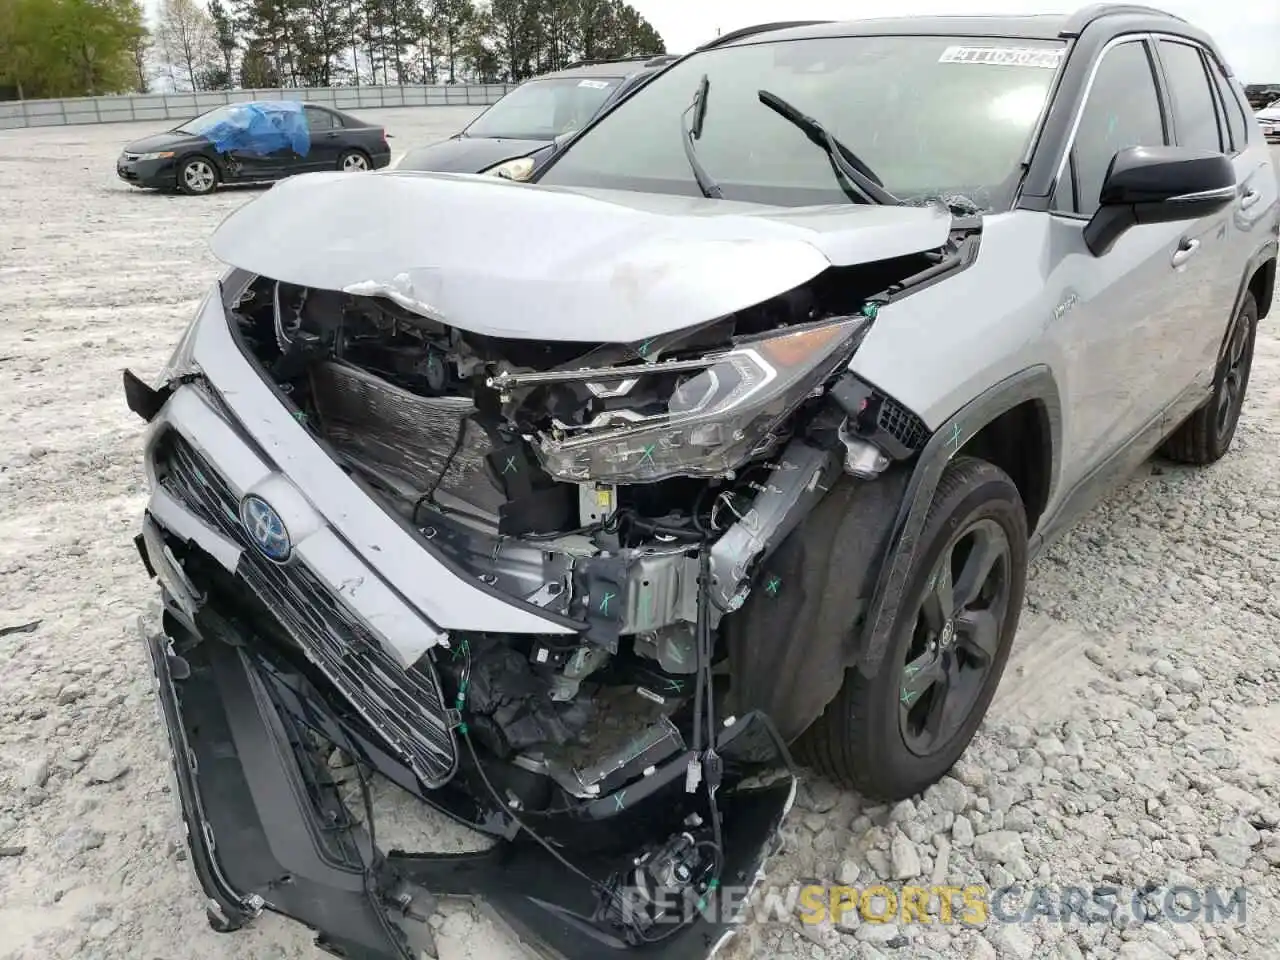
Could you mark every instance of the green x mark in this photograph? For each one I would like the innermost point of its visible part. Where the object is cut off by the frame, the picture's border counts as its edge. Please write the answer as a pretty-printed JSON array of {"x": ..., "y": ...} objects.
[
  {"x": 644, "y": 347},
  {"x": 773, "y": 586},
  {"x": 674, "y": 686},
  {"x": 618, "y": 800},
  {"x": 648, "y": 455},
  {"x": 909, "y": 696},
  {"x": 511, "y": 466},
  {"x": 604, "y": 602}
]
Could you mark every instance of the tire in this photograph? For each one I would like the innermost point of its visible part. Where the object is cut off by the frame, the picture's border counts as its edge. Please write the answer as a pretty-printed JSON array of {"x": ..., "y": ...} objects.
[
  {"x": 354, "y": 161},
  {"x": 197, "y": 176},
  {"x": 1205, "y": 436},
  {"x": 867, "y": 738}
]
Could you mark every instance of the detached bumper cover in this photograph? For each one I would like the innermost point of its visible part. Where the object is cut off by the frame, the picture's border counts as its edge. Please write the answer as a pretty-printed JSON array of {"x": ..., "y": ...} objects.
[
  {"x": 267, "y": 830},
  {"x": 257, "y": 839}
]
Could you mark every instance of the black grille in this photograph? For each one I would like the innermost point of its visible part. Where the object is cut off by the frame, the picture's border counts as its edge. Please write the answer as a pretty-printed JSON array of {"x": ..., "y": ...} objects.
[
  {"x": 901, "y": 424},
  {"x": 405, "y": 707}
]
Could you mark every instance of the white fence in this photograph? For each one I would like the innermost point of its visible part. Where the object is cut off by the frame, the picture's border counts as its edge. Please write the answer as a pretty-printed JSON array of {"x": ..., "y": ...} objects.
[{"x": 181, "y": 106}]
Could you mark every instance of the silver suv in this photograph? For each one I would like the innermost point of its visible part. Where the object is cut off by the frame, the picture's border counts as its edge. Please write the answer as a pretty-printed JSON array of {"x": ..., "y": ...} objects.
[{"x": 570, "y": 507}]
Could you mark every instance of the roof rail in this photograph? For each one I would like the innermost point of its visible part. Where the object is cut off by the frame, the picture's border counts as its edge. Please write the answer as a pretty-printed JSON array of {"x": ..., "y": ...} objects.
[
  {"x": 662, "y": 58},
  {"x": 597, "y": 63},
  {"x": 758, "y": 28},
  {"x": 1086, "y": 15}
]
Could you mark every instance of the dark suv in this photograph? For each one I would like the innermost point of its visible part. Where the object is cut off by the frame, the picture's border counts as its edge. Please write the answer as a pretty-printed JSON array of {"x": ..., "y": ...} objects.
[{"x": 516, "y": 135}]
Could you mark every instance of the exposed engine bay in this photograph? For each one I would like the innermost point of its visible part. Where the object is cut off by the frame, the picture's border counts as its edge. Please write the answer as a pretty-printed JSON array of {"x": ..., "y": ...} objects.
[
  {"x": 607, "y": 483},
  {"x": 636, "y": 498}
]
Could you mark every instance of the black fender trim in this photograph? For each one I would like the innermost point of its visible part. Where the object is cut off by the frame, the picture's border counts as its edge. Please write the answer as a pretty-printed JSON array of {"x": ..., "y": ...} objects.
[
  {"x": 1268, "y": 251},
  {"x": 1033, "y": 383}
]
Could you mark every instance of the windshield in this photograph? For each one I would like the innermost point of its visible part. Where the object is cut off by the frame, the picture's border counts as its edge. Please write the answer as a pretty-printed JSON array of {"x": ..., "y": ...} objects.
[
  {"x": 931, "y": 116},
  {"x": 207, "y": 121},
  {"x": 544, "y": 109}
]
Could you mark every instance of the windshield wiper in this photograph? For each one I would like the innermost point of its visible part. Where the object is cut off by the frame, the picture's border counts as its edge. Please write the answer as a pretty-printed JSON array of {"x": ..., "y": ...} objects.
[
  {"x": 858, "y": 174},
  {"x": 692, "y": 131}
]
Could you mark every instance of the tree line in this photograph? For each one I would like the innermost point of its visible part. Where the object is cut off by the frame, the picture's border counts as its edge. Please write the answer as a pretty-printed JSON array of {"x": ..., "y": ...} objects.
[{"x": 62, "y": 48}]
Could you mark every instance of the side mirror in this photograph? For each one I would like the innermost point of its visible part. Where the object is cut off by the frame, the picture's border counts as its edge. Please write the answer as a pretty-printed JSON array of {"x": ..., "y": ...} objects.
[{"x": 1158, "y": 185}]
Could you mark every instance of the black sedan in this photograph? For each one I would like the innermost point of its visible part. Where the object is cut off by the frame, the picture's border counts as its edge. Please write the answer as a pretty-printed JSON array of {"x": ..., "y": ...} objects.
[
  {"x": 520, "y": 132},
  {"x": 253, "y": 142}
]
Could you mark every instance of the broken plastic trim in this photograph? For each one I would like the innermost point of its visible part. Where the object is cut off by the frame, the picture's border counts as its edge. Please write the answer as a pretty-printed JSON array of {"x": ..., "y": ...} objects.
[{"x": 260, "y": 836}]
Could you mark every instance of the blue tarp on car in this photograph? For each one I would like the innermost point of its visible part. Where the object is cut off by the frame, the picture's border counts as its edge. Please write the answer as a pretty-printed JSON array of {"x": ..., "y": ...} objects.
[{"x": 263, "y": 128}]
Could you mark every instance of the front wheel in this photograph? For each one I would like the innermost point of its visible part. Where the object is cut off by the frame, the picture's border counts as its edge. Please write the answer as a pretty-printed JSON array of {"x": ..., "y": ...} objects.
[
  {"x": 354, "y": 161},
  {"x": 893, "y": 735},
  {"x": 197, "y": 176}
]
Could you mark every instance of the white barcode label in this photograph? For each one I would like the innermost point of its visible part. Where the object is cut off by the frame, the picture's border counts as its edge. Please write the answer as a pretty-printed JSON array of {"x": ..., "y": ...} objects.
[{"x": 1047, "y": 58}]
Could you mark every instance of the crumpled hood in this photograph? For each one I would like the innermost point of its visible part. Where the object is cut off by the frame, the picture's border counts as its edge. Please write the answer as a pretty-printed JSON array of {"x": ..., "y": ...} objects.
[
  {"x": 507, "y": 259},
  {"x": 469, "y": 154}
]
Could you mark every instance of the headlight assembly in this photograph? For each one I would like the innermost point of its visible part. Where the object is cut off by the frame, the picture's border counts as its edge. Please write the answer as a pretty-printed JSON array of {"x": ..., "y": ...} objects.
[
  {"x": 701, "y": 417},
  {"x": 519, "y": 169},
  {"x": 162, "y": 155}
]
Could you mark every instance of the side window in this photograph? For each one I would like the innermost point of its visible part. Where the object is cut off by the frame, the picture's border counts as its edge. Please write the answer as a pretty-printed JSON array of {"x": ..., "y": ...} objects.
[
  {"x": 1123, "y": 110},
  {"x": 1236, "y": 123},
  {"x": 1194, "y": 116},
  {"x": 318, "y": 119}
]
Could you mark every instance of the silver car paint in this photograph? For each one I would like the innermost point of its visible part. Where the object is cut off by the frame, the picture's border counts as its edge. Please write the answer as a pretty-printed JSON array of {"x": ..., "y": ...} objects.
[
  {"x": 373, "y": 563},
  {"x": 1124, "y": 333},
  {"x": 550, "y": 263}
]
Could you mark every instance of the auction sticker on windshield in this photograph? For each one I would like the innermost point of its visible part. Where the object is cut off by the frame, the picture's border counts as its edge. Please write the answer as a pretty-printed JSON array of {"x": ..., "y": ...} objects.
[
  {"x": 1046, "y": 57},
  {"x": 594, "y": 84}
]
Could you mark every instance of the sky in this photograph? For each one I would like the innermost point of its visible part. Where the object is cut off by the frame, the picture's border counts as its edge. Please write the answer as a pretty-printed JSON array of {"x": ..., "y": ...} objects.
[{"x": 1247, "y": 31}]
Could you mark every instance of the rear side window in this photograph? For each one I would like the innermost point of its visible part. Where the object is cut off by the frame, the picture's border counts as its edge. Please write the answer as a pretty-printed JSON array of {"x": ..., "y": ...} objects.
[
  {"x": 1123, "y": 110},
  {"x": 1237, "y": 126},
  {"x": 319, "y": 119},
  {"x": 1194, "y": 116}
]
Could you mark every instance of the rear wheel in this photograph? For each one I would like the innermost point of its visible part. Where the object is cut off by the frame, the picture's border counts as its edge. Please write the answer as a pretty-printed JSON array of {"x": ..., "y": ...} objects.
[
  {"x": 354, "y": 161},
  {"x": 197, "y": 176},
  {"x": 893, "y": 735},
  {"x": 1205, "y": 436}
]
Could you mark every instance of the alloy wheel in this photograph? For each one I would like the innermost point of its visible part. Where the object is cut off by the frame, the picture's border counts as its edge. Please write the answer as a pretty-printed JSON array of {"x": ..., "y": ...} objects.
[
  {"x": 1236, "y": 375},
  {"x": 956, "y": 637},
  {"x": 355, "y": 162},
  {"x": 199, "y": 176}
]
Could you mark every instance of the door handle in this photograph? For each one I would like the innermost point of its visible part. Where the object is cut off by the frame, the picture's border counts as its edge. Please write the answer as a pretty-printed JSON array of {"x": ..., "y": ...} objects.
[
  {"x": 331, "y": 136},
  {"x": 1185, "y": 251},
  {"x": 1249, "y": 198}
]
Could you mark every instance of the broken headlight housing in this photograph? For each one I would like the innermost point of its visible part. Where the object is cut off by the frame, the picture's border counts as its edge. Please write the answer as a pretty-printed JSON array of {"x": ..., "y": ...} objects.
[
  {"x": 700, "y": 417},
  {"x": 181, "y": 361}
]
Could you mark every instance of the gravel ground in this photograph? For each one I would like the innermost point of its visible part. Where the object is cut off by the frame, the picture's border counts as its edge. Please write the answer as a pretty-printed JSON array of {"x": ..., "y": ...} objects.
[{"x": 1136, "y": 739}]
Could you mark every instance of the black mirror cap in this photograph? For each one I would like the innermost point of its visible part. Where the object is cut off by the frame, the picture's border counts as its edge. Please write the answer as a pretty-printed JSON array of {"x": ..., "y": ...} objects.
[
  {"x": 1159, "y": 185},
  {"x": 1166, "y": 174}
]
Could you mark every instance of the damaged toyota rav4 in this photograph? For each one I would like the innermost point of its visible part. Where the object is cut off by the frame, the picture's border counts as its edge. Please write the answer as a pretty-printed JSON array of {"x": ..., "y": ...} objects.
[{"x": 574, "y": 508}]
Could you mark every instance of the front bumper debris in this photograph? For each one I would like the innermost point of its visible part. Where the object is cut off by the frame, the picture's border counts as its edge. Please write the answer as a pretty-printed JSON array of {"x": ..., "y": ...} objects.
[{"x": 267, "y": 828}]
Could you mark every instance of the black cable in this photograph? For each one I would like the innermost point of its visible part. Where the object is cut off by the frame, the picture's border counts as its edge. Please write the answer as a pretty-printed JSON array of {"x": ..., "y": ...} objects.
[
  {"x": 595, "y": 884},
  {"x": 602, "y": 890},
  {"x": 458, "y": 439}
]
